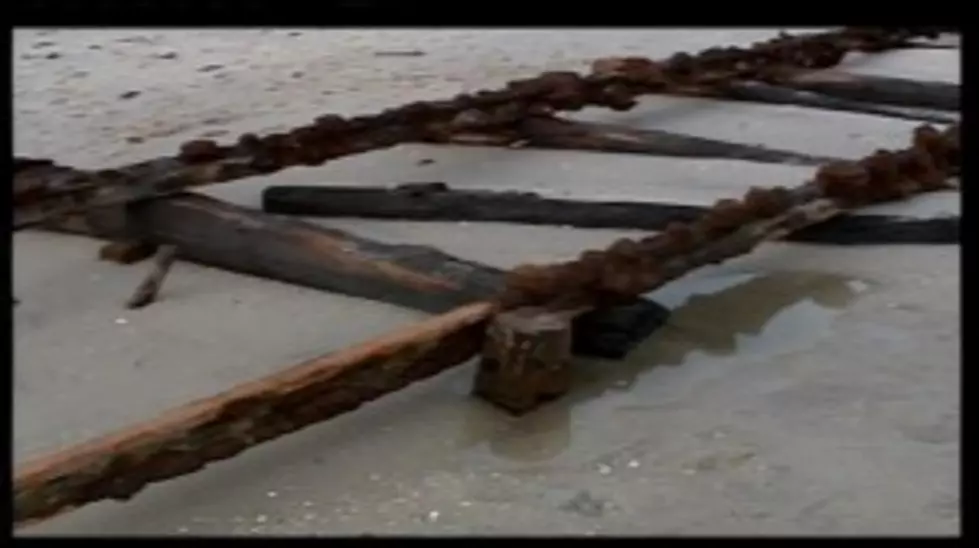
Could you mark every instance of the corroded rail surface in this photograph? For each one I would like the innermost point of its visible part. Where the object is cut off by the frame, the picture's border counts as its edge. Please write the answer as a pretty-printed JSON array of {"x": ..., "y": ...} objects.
[{"x": 43, "y": 189}]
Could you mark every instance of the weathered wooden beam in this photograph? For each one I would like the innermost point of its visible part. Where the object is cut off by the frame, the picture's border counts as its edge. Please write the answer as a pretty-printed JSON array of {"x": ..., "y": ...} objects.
[
  {"x": 556, "y": 133},
  {"x": 148, "y": 289},
  {"x": 187, "y": 438},
  {"x": 760, "y": 92},
  {"x": 526, "y": 359},
  {"x": 879, "y": 89},
  {"x": 215, "y": 233},
  {"x": 438, "y": 202}
]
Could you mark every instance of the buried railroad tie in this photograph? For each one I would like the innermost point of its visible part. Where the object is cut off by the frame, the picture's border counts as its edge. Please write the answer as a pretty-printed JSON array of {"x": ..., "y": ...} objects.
[
  {"x": 439, "y": 202},
  {"x": 218, "y": 234},
  {"x": 557, "y": 133}
]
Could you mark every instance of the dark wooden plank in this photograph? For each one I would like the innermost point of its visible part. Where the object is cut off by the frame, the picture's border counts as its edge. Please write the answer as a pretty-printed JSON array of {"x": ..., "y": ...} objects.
[
  {"x": 556, "y": 133},
  {"x": 760, "y": 92},
  {"x": 438, "y": 202},
  {"x": 215, "y": 233},
  {"x": 880, "y": 89}
]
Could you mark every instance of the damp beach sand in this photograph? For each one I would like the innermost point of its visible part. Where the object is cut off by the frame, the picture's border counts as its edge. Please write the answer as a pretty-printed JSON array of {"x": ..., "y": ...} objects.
[{"x": 804, "y": 390}]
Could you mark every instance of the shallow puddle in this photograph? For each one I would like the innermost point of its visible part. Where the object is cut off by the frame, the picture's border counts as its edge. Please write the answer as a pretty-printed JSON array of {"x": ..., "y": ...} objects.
[{"x": 715, "y": 320}]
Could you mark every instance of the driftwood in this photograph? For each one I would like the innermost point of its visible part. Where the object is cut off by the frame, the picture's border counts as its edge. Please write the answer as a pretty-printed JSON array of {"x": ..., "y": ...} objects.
[
  {"x": 879, "y": 89},
  {"x": 760, "y": 92},
  {"x": 222, "y": 235},
  {"x": 556, "y": 133},
  {"x": 148, "y": 289},
  {"x": 438, "y": 202}
]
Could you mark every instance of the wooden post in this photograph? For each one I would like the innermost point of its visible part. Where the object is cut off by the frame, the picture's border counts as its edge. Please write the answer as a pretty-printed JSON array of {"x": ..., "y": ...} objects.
[{"x": 526, "y": 359}]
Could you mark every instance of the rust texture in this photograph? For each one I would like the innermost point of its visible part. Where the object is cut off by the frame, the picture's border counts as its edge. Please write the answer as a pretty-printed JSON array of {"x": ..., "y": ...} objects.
[
  {"x": 632, "y": 267},
  {"x": 50, "y": 189},
  {"x": 526, "y": 359},
  {"x": 186, "y": 439}
]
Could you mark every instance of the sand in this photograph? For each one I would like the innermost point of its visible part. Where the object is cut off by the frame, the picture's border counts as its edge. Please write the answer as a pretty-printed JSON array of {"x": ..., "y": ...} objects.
[{"x": 800, "y": 390}]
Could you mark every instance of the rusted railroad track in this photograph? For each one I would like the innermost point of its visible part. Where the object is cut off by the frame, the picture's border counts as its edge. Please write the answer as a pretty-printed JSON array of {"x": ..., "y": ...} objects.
[
  {"x": 43, "y": 189},
  {"x": 186, "y": 439}
]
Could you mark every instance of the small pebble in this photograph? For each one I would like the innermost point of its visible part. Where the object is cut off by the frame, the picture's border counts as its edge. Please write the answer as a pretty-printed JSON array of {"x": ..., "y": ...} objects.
[
  {"x": 182, "y": 530},
  {"x": 633, "y": 464},
  {"x": 261, "y": 518},
  {"x": 168, "y": 55},
  {"x": 433, "y": 515},
  {"x": 121, "y": 321},
  {"x": 307, "y": 504},
  {"x": 210, "y": 68},
  {"x": 272, "y": 494},
  {"x": 604, "y": 469},
  {"x": 130, "y": 94},
  {"x": 53, "y": 55},
  {"x": 465, "y": 504}
]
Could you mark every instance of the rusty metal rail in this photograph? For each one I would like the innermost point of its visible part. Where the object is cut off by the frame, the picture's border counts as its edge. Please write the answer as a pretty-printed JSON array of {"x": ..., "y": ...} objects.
[
  {"x": 43, "y": 189},
  {"x": 628, "y": 267},
  {"x": 188, "y": 438}
]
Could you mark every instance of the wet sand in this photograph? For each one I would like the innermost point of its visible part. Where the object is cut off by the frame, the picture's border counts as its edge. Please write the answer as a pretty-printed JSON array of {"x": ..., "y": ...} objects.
[{"x": 801, "y": 390}]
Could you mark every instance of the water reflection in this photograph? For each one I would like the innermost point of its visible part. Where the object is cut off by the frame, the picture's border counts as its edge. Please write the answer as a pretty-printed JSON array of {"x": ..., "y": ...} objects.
[{"x": 736, "y": 316}]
